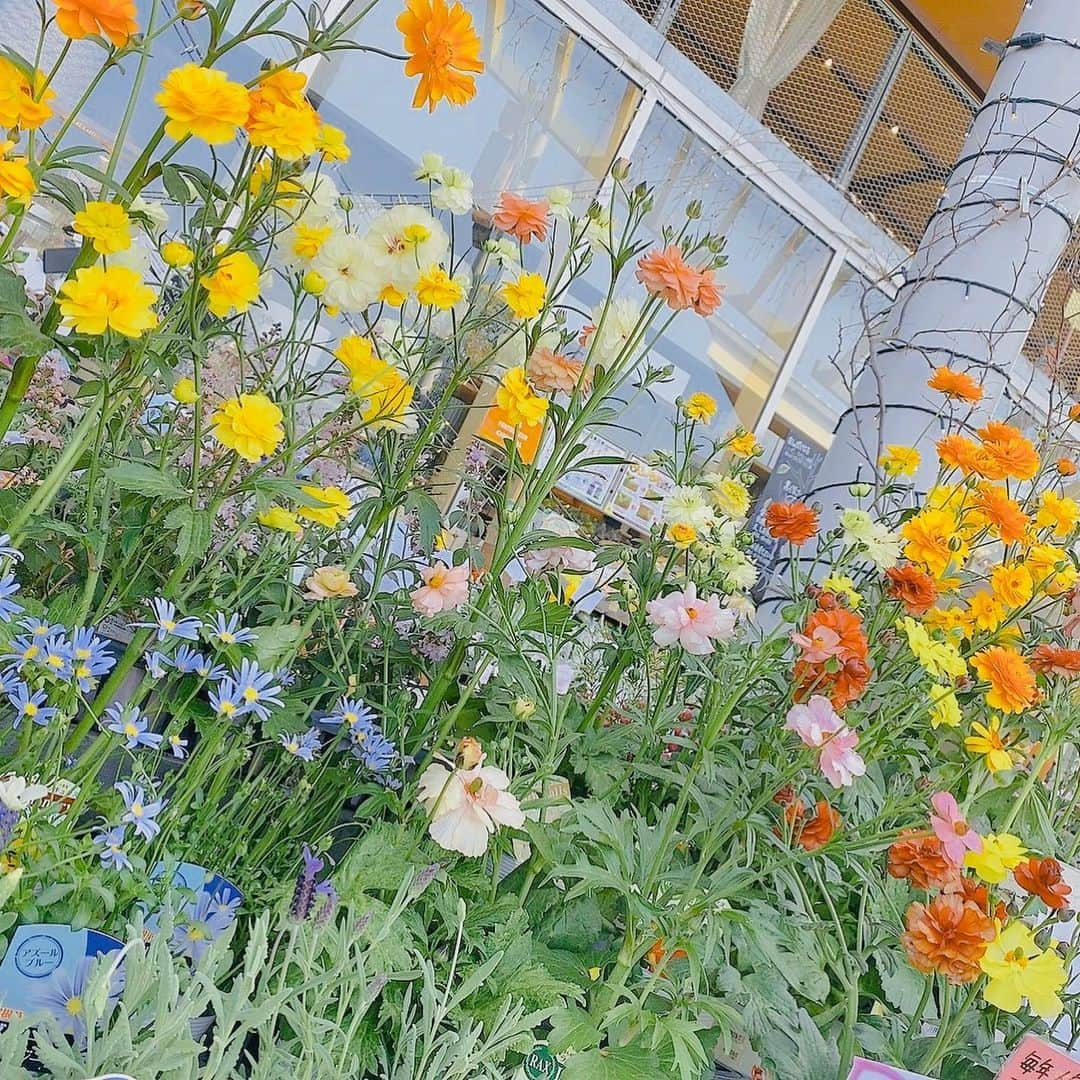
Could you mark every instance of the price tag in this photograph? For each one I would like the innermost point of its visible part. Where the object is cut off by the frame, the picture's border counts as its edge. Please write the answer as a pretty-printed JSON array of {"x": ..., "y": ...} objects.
[
  {"x": 862, "y": 1069},
  {"x": 1034, "y": 1059}
]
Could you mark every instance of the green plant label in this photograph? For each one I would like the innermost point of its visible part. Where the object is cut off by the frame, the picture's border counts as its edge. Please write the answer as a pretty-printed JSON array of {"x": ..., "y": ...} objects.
[{"x": 540, "y": 1064}]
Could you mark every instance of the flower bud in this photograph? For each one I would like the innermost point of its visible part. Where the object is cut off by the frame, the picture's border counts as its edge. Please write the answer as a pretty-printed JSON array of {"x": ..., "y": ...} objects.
[
  {"x": 859, "y": 490},
  {"x": 177, "y": 254},
  {"x": 469, "y": 753},
  {"x": 190, "y": 9},
  {"x": 693, "y": 211},
  {"x": 524, "y": 708},
  {"x": 314, "y": 283},
  {"x": 345, "y": 202},
  {"x": 620, "y": 170},
  {"x": 185, "y": 391}
]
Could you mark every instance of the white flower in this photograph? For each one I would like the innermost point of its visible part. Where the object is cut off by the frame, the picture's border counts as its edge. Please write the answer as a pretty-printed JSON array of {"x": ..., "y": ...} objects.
[
  {"x": 401, "y": 242},
  {"x": 882, "y": 548},
  {"x": 345, "y": 265},
  {"x": 614, "y": 329},
  {"x": 454, "y": 191},
  {"x": 504, "y": 251},
  {"x": 564, "y": 676},
  {"x": 298, "y": 245},
  {"x": 741, "y": 572},
  {"x": 858, "y": 525},
  {"x": 598, "y": 231},
  {"x": 467, "y": 805},
  {"x": 430, "y": 168},
  {"x": 135, "y": 257},
  {"x": 16, "y": 793},
  {"x": 158, "y": 215},
  {"x": 688, "y": 505},
  {"x": 560, "y": 200}
]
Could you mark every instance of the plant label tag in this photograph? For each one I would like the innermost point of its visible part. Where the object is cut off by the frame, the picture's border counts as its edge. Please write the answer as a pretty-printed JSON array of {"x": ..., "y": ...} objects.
[
  {"x": 204, "y": 906},
  {"x": 862, "y": 1069},
  {"x": 541, "y": 1064},
  {"x": 1034, "y": 1059}
]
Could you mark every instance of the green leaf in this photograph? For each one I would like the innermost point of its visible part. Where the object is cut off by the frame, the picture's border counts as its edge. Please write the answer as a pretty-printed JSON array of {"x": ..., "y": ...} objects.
[
  {"x": 274, "y": 643},
  {"x": 618, "y": 1063},
  {"x": 428, "y": 516},
  {"x": 193, "y": 527},
  {"x": 19, "y": 335},
  {"x": 176, "y": 185},
  {"x": 572, "y": 1029},
  {"x": 146, "y": 480},
  {"x": 12, "y": 292}
]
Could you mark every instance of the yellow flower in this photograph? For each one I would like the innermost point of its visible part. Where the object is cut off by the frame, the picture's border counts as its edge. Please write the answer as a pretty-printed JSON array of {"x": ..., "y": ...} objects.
[
  {"x": 682, "y": 534},
  {"x": 1016, "y": 968},
  {"x": 436, "y": 288},
  {"x": 260, "y": 176},
  {"x": 177, "y": 254},
  {"x": 525, "y": 296},
  {"x": 938, "y": 658},
  {"x": 365, "y": 369},
  {"x": 16, "y": 180},
  {"x": 307, "y": 240},
  {"x": 900, "y": 460},
  {"x": 843, "y": 586},
  {"x": 185, "y": 392},
  {"x": 233, "y": 285},
  {"x": 1051, "y": 568},
  {"x": 330, "y": 142},
  {"x": 934, "y": 539},
  {"x": 22, "y": 103},
  {"x": 1058, "y": 513},
  {"x": 105, "y": 225},
  {"x": 334, "y": 508},
  {"x": 387, "y": 405},
  {"x": 729, "y": 496},
  {"x": 280, "y": 116},
  {"x": 985, "y": 611},
  {"x": 250, "y": 424},
  {"x": 277, "y": 517},
  {"x": 745, "y": 445},
  {"x": 313, "y": 283},
  {"x": 992, "y": 744},
  {"x": 202, "y": 102},
  {"x": 1012, "y": 584},
  {"x": 515, "y": 397},
  {"x": 392, "y": 295},
  {"x": 944, "y": 708},
  {"x": 1000, "y": 853},
  {"x": 700, "y": 406},
  {"x": 112, "y": 298}
]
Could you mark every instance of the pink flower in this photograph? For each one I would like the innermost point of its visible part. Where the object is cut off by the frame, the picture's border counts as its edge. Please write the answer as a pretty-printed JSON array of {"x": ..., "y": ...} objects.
[
  {"x": 839, "y": 761},
  {"x": 814, "y": 722},
  {"x": 467, "y": 805},
  {"x": 444, "y": 588},
  {"x": 824, "y": 645},
  {"x": 956, "y": 836},
  {"x": 820, "y": 728},
  {"x": 682, "y": 618}
]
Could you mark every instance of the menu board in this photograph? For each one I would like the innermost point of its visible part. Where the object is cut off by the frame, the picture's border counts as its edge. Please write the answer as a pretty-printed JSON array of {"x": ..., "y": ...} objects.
[
  {"x": 638, "y": 497},
  {"x": 593, "y": 483}
]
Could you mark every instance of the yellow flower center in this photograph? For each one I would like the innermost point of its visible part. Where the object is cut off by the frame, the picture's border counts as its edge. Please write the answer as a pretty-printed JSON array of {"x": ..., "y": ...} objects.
[
  {"x": 73, "y": 1005},
  {"x": 137, "y": 809},
  {"x": 130, "y": 730},
  {"x": 437, "y": 580},
  {"x": 250, "y": 693},
  {"x": 30, "y": 709},
  {"x": 168, "y": 624}
]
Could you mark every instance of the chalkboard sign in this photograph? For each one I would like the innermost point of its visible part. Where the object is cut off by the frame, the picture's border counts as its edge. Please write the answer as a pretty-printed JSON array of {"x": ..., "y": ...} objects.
[{"x": 792, "y": 479}]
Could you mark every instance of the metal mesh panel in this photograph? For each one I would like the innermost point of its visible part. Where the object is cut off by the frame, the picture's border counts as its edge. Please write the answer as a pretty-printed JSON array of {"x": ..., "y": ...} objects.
[
  {"x": 710, "y": 33},
  {"x": 912, "y": 147},
  {"x": 1053, "y": 343}
]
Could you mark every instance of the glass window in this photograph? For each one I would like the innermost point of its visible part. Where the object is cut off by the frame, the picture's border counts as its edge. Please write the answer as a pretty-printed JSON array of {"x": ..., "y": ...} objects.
[{"x": 837, "y": 347}]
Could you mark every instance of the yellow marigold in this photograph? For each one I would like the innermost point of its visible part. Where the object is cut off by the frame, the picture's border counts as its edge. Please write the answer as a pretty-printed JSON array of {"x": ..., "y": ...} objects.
[
  {"x": 330, "y": 142},
  {"x": 525, "y": 296},
  {"x": 365, "y": 369},
  {"x": 202, "y": 102},
  {"x": 1012, "y": 682},
  {"x": 744, "y": 444},
  {"x": 261, "y": 175},
  {"x": 1000, "y": 853},
  {"x": 281, "y": 118},
  {"x": 106, "y": 225},
  {"x": 99, "y": 299},
  {"x": 392, "y": 295},
  {"x": 388, "y": 404},
  {"x": 1058, "y": 513},
  {"x": 113, "y": 19},
  {"x": 436, "y": 288},
  {"x": 730, "y": 496},
  {"x": 515, "y": 397},
  {"x": 333, "y": 509},
  {"x": 177, "y": 254},
  {"x": 991, "y": 744},
  {"x": 933, "y": 539},
  {"x": 250, "y": 424},
  {"x": 16, "y": 180},
  {"x": 444, "y": 50},
  {"x": 682, "y": 534},
  {"x": 954, "y": 620},
  {"x": 1051, "y": 568},
  {"x": 185, "y": 391},
  {"x": 944, "y": 708},
  {"x": 306, "y": 241},
  {"x": 23, "y": 102},
  {"x": 937, "y": 658},
  {"x": 277, "y": 517},
  {"x": 1012, "y": 584},
  {"x": 986, "y": 611},
  {"x": 843, "y": 586},
  {"x": 233, "y": 284},
  {"x": 700, "y": 406},
  {"x": 900, "y": 460}
]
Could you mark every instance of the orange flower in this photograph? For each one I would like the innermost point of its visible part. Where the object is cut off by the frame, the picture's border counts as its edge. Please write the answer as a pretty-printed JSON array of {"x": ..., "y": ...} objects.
[
  {"x": 955, "y": 384},
  {"x": 522, "y": 219},
  {"x": 1042, "y": 878},
  {"x": 1003, "y": 513},
  {"x": 1012, "y": 682},
  {"x": 444, "y": 50},
  {"x": 920, "y": 857},
  {"x": 949, "y": 935},
  {"x": 666, "y": 274},
  {"x": 1074, "y": 413},
  {"x": 1055, "y": 660},
  {"x": 818, "y": 830},
  {"x": 914, "y": 589},
  {"x": 794, "y": 521},
  {"x": 847, "y": 682},
  {"x": 550, "y": 371},
  {"x": 1065, "y": 467},
  {"x": 657, "y": 955},
  {"x": 114, "y": 19},
  {"x": 710, "y": 294},
  {"x": 956, "y": 452},
  {"x": 1007, "y": 453}
]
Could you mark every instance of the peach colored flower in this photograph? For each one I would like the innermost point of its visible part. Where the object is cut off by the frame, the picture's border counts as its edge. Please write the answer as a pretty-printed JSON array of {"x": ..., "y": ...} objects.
[
  {"x": 466, "y": 806},
  {"x": 1042, "y": 878},
  {"x": 522, "y": 219},
  {"x": 667, "y": 275},
  {"x": 949, "y": 935},
  {"x": 329, "y": 583},
  {"x": 920, "y": 858},
  {"x": 551, "y": 371},
  {"x": 444, "y": 588},
  {"x": 710, "y": 294},
  {"x": 795, "y": 522},
  {"x": 914, "y": 588}
]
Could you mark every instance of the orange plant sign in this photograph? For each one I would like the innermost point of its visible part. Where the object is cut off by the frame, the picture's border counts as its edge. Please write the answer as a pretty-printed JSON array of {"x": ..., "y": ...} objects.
[{"x": 496, "y": 428}]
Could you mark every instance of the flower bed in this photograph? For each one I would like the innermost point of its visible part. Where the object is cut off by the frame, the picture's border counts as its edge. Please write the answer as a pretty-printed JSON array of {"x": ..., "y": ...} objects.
[{"x": 319, "y": 764}]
